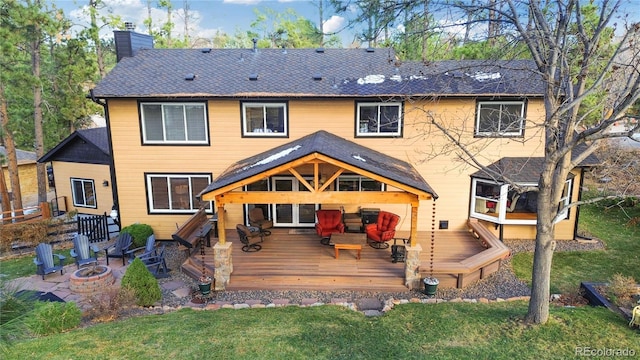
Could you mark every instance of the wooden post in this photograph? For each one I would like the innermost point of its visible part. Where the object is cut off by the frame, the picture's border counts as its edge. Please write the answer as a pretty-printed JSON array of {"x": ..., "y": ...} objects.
[
  {"x": 222, "y": 236},
  {"x": 46, "y": 211},
  {"x": 414, "y": 225}
]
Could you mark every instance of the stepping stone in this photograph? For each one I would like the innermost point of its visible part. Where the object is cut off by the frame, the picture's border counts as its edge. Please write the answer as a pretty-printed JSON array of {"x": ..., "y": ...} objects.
[{"x": 370, "y": 304}]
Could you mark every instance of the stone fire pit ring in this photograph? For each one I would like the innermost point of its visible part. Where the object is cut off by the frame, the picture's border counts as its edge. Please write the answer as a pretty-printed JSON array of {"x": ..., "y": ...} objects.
[{"x": 91, "y": 279}]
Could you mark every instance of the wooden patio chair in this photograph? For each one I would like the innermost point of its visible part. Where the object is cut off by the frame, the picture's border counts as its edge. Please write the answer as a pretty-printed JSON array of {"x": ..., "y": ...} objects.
[
  {"x": 250, "y": 238},
  {"x": 147, "y": 250},
  {"x": 156, "y": 263},
  {"x": 84, "y": 253},
  {"x": 44, "y": 260},
  {"x": 119, "y": 248}
]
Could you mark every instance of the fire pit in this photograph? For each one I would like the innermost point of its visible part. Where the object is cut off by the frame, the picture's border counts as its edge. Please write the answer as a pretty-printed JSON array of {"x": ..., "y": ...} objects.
[{"x": 91, "y": 279}]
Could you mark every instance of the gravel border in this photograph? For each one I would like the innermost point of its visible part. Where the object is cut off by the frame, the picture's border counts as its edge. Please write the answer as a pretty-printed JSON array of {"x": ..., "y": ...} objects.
[{"x": 502, "y": 284}]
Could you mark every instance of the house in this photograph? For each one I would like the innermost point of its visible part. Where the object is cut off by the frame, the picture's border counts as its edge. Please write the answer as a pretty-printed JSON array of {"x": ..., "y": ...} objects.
[
  {"x": 81, "y": 168},
  {"x": 293, "y": 130},
  {"x": 27, "y": 173}
]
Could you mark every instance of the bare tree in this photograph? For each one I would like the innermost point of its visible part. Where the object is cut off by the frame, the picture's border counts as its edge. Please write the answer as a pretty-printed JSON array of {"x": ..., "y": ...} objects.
[{"x": 566, "y": 47}]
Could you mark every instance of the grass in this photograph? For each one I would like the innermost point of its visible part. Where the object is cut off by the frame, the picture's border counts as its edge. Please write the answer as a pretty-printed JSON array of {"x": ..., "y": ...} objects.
[
  {"x": 24, "y": 266},
  {"x": 411, "y": 331},
  {"x": 621, "y": 256}
]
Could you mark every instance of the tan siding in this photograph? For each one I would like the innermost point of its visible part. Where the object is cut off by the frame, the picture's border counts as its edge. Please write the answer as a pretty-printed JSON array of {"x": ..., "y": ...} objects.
[
  {"x": 422, "y": 145},
  {"x": 64, "y": 171}
]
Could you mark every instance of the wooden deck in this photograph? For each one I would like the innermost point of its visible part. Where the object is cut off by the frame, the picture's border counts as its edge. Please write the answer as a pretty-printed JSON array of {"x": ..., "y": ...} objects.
[{"x": 299, "y": 261}]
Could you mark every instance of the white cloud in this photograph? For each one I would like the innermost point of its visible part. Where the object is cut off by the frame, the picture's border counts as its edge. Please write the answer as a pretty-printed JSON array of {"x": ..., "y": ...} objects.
[{"x": 333, "y": 24}]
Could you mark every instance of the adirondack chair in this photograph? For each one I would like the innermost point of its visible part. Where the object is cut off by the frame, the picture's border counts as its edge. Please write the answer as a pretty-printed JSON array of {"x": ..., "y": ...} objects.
[
  {"x": 44, "y": 260},
  {"x": 147, "y": 250},
  {"x": 156, "y": 263},
  {"x": 119, "y": 248},
  {"x": 82, "y": 251}
]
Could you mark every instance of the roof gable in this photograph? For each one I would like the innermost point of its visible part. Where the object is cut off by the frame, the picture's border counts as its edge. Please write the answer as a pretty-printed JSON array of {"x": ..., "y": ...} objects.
[
  {"x": 88, "y": 146},
  {"x": 329, "y": 145}
]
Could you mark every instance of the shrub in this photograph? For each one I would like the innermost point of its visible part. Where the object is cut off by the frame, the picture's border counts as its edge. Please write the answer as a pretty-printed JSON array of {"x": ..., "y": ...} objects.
[
  {"x": 139, "y": 233},
  {"x": 622, "y": 287},
  {"x": 53, "y": 317},
  {"x": 110, "y": 304},
  {"x": 13, "y": 309},
  {"x": 144, "y": 285}
]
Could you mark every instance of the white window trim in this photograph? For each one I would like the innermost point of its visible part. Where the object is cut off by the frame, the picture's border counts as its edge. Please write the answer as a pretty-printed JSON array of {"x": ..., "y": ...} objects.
[
  {"x": 499, "y": 133},
  {"x": 501, "y": 203},
  {"x": 84, "y": 196},
  {"x": 153, "y": 210},
  {"x": 378, "y": 133},
  {"x": 265, "y": 105},
  {"x": 164, "y": 132},
  {"x": 563, "y": 213}
]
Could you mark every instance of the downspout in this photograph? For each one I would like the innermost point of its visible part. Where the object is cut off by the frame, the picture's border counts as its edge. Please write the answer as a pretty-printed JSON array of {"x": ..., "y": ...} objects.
[
  {"x": 112, "y": 167},
  {"x": 575, "y": 223}
]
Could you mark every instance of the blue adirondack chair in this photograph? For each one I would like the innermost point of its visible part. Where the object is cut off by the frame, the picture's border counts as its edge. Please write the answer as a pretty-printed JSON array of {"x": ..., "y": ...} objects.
[
  {"x": 44, "y": 260},
  {"x": 147, "y": 250},
  {"x": 119, "y": 248},
  {"x": 83, "y": 252},
  {"x": 156, "y": 263}
]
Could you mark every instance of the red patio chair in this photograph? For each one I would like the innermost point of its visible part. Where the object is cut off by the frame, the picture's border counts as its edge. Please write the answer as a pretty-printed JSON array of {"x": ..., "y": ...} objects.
[
  {"x": 383, "y": 230},
  {"x": 329, "y": 222}
]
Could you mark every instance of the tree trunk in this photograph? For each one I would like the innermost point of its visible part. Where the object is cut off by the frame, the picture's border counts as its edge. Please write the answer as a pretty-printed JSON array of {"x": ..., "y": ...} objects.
[
  {"x": 41, "y": 171},
  {"x": 538, "y": 312},
  {"x": 12, "y": 158}
]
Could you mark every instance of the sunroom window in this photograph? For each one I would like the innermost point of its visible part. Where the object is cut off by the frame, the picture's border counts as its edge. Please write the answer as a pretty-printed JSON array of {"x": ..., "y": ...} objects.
[
  {"x": 176, "y": 193},
  {"x": 379, "y": 119},
  {"x": 264, "y": 119},
  {"x": 500, "y": 118},
  {"x": 174, "y": 123}
]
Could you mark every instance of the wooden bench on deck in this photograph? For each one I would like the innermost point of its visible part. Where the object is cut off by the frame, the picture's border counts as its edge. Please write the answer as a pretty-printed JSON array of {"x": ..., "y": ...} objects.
[
  {"x": 477, "y": 266},
  {"x": 194, "y": 230}
]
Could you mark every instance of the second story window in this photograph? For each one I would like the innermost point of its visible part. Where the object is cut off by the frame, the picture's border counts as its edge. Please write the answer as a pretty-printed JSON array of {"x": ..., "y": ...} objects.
[
  {"x": 174, "y": 123},
  {"x": 379, "y": 119},
  {"x": 264, "y": 119},
  {"x": 500, "y": 118}
]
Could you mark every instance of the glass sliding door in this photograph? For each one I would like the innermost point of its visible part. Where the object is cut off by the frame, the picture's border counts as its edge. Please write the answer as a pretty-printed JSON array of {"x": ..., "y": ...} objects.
[{"x": 294, "y": 215}]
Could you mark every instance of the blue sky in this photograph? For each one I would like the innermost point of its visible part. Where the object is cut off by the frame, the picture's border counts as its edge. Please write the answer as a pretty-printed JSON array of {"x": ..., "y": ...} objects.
[{"x": 206, "y": 16}]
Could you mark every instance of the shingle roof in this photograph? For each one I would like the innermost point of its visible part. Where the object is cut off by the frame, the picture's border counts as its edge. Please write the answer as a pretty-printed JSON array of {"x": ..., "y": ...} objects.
[
  {"x": 329, "y": 145},
  {"x": 90, "y": 146},
  {"x": 24, "y": 157},
  {"x": 339, "y": 73},
  {"x": 526, "y": 169}
]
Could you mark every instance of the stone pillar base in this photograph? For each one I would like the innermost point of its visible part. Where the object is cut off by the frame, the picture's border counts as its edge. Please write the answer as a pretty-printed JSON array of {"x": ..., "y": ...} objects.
[
  {"x": 412, "y": 267},
  {"x": 223, "y": 264}
]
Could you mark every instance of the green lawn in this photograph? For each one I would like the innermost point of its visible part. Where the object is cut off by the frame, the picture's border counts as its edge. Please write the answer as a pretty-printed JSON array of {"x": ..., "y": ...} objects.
[
  {"x": 24, "y": 266},
  {"x": 411, "y": 331},
  {"x": 622, "y": 254}
]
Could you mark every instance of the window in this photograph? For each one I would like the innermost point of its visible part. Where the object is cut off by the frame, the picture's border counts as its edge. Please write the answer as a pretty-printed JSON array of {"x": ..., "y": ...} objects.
[
  {"x": 260, "y": 185},
  {"x": 264, "y": 119},
  {"x": 84, "y": 193},
  {"x": 358, "y": 183},
  {"x": 505, "y": 118},
  {"x": 379, "y": 119},
  {"x": 174, "y": 123},
  {"x": 565, "y": 200},
  {"x": 175, "y": 193}
]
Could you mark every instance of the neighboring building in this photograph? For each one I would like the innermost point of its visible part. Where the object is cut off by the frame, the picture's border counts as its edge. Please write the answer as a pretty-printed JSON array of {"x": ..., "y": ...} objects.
[
  {"x": 28, "y": 175},
  {"x": 81, "y": 172},
  {"x": 185, "y": 123}
]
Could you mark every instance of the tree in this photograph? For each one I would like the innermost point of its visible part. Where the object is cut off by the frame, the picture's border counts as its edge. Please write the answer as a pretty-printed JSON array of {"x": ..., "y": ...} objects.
[{"x": 566, "y": 47}]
